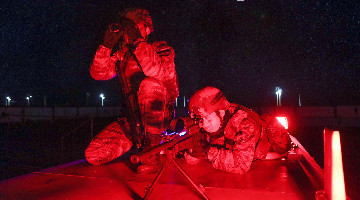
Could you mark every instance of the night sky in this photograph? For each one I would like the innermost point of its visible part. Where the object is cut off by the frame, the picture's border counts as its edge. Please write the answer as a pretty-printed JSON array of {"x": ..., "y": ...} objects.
[{"x": 246, "y": 49}]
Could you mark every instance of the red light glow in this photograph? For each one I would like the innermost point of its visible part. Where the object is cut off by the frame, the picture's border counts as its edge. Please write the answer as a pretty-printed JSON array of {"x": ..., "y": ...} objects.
[
  {"x": 337, "y": 173},
  {"x": 283, "y": 121}
]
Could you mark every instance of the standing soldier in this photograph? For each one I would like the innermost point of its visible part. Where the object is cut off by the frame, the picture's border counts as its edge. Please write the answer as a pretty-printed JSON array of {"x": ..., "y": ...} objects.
[
  {"x": 236, "y": 135},
  {"x": 149, "y": 83}
]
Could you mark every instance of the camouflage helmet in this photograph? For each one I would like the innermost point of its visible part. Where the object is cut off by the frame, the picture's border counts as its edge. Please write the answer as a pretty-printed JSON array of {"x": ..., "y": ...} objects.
[
  {"x": 138, "y": 15},
  {"x": 208, "y": 99}
]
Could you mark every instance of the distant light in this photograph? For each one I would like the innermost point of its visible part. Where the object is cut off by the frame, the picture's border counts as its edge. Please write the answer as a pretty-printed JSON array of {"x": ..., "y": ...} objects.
[
  {"x": 184, "y": 102},
  {"x": 102, "y": 99},
  {"x": 28, "y": 99},
  {"x": 278, "y": 92},
  {"x": 283, "y": 121},
  {"x": 8, "y": 101}
]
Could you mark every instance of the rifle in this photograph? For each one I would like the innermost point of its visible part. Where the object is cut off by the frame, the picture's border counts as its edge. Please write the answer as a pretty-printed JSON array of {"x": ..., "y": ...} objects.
[
  {"x": 177, "y": 125},
  {"x": 133, "y": 109}
]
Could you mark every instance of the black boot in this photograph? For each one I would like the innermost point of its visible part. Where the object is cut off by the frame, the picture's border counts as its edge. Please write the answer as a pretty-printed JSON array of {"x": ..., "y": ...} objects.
[{"x": 152, "y": 164}]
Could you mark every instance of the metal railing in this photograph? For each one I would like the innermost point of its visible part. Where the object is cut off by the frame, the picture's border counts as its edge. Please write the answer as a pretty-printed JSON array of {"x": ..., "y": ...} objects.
[{"x": 309, "y": 165}]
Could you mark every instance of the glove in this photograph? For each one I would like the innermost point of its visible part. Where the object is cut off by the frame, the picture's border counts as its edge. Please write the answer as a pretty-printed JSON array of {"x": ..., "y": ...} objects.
[
  {"x": 111, "y": 38},
  {"x": 131, "y": 30},
  {"x": 212, "y": 153},
  {"x": 121, "y": 27}
]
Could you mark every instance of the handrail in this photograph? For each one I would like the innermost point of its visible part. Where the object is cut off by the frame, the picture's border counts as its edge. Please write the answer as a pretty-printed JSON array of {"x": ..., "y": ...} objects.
[
  {"x": 91, "y": 120},
  {"x": 309, "y": 165}
]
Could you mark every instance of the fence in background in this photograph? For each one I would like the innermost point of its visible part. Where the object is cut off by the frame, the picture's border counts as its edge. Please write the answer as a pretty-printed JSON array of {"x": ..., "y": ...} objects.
[
  {"x": 344, "y": 116},
  {"x": 21, "y": 114}
]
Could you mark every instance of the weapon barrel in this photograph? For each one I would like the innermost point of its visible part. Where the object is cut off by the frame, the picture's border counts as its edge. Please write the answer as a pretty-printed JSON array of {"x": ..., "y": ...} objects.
[{"x": 192, "y": 131}]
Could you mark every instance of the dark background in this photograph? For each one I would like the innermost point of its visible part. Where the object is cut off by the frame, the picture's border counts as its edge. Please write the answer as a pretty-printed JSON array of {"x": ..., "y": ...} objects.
[{"x": 245, "y": 48}]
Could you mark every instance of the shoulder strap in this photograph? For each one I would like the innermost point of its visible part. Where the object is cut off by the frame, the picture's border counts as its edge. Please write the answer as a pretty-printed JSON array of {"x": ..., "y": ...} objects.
[{"x": 254, "y": 116}]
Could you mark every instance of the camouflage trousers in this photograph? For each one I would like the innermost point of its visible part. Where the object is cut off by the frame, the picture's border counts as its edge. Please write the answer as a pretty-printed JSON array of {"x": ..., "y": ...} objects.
[
  {"x": 116, "y": 138},
  {"x": 110, "y": 143}
]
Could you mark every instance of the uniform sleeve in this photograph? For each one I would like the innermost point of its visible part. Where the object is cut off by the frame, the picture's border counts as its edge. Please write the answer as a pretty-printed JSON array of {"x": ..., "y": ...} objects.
[
  {"x": 157, "y": 61},
  {"x": 239, "y": 158},
  {"x": 103, "y": 65},
  {"x": 151, "y": 63}
]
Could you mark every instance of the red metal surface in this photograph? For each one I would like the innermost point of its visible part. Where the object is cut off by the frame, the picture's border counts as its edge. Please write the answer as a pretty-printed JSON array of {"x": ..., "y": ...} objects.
[{"x": 270, "y": 179}]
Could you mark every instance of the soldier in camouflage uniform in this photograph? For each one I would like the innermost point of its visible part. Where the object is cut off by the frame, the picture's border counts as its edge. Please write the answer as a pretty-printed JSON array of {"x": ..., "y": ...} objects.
[
  {"x": 149, "y": 82},
  {"x": 236, "y": 135}
]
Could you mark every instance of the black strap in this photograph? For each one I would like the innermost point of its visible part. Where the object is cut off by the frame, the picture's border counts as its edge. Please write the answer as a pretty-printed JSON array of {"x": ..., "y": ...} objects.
[
  {"x": 218, "y": 146},
  {"x": 228, "y": 141},
  {"x": 133, "y": 114}
]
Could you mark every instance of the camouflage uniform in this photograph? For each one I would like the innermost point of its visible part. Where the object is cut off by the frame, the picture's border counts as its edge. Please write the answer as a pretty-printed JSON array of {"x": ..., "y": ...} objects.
[
  {"x": 151, "y": 76},
  {"x": 243, "y": 141},
  {"x": 236, "y": 135}
]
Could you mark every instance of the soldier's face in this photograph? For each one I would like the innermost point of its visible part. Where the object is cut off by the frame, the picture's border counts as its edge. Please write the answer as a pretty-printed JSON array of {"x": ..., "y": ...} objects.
[{"x": 210, "y": 122}]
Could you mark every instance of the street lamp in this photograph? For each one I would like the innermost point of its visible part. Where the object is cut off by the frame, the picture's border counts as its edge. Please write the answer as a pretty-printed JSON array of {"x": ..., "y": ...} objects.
[
  {"x": 8, "y": 101},
  {"x": 184, "y": 102},
  {"x": 278, "y": 92},
  {"x": 102, "y": 99},
  {"x": 28, "y": 99}
]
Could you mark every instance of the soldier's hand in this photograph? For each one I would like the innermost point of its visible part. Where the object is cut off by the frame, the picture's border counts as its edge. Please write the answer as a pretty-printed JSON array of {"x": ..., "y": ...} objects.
[
  {"x": 115, "y": 30},
  {"x": 131, "y": 30},
  {"x": 212, "y": 153},
  {"x": 122, "y": 26},
  {"x": 111, "y": 37}
]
